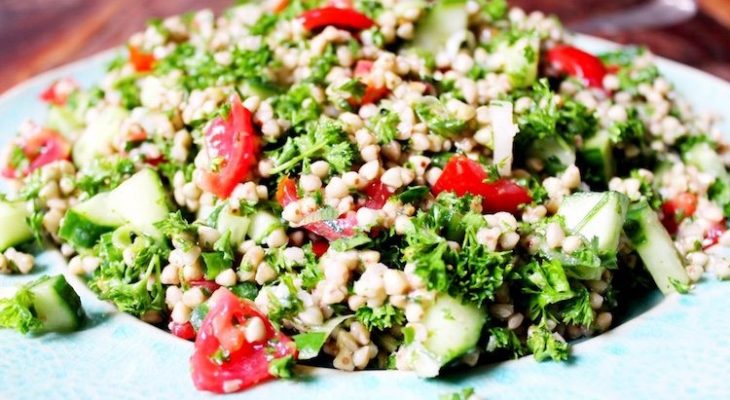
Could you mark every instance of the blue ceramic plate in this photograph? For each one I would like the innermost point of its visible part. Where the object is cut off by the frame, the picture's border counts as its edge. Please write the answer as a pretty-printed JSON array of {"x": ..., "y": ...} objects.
[{"x": 676, "y": 347}]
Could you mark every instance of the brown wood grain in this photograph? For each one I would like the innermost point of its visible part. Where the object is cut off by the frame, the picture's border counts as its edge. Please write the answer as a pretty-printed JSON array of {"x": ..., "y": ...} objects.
[{"x": 37, "y": 35}]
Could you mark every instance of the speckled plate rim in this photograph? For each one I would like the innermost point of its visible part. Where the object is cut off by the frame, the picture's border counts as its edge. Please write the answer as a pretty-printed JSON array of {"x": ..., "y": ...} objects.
[{"x": 676, "y": 349}]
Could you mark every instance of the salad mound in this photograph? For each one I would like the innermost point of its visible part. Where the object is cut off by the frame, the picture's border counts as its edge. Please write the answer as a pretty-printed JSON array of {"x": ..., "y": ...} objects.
[{"x": 399, "y": 184}]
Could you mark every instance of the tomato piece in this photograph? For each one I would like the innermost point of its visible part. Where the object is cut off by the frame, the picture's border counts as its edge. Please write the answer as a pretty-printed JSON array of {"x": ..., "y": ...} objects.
[
  {"x": 319, "y": 247},
  {"x": 372, "y": 93},
  {"x": 141, "y": 61},
  {"x": 210, "y": 286},
  {"x": 378, "y": 194},
  {"x": 461, "y": 176},
  {"x": 343, "y": 18},
  {"x": 278, "y": 5},
  {"x": 713, "y": 234},
  {"x": 232, "y": 143},
  {"x": 40, "y": 146},
  {"x": 676, "y": 209},
  {"x": 59, "y": 91},
  {"x": 575, "y": 62},
  {"x": 286, "y": 192},
  {"x": 183, "y": 331},
  {"x": 336, "y": 228},
  {"x": 341, "y": 3},
  {"x": 363, "y": 68},
  {"x": 464, "y": 176},
  {"x": 223, "y": 361}
]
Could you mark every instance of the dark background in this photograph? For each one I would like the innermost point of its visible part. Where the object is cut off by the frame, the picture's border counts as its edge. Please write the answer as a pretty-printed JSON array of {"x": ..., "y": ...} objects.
[{"x": 36, "y": 35}]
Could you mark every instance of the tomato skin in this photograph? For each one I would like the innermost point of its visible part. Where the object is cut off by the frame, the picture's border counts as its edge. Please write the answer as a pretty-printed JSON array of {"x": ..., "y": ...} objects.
[
  {"x": 578, "y": 63},
  {"x": 378, "y": 194},
  {"x": 372, "y": 93},
  {"x": 141, "y": 61},
  {"x": 40, "y": 146},
  {"x": 183, "y": 331},
  {"x": 247, "y": 363},
  {"x": 279, "y": 5},
  {"x": 676, "y": 209},
  {"x": 58, "y": 92},
  {"x": 506, "y": 196},
  {"x": 319, "y": 247},
  {"x": 343, "y": 18},
  {"x": 344, "y": 226},
  {"x": 234, "y": 140},
  {"x": 286, "y": 191},
  {"x": 713, "y": 234},
  {"x": 210, "y": 286},
  {"x": 462, "y": 175}
]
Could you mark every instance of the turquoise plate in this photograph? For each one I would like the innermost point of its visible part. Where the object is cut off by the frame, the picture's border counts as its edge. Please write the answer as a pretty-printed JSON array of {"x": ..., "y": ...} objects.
[{"x": 677, "y": 348}]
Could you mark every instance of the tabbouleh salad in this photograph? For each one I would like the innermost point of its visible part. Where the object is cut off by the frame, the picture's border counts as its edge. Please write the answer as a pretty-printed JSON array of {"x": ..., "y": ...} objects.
[{"x": 398, "y": 184}]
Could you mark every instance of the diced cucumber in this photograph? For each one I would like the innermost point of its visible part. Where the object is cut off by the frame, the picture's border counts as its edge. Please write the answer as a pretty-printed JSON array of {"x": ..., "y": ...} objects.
[
  {"x": 141, "y": 200},
  {"x": 15, "y": 229},
  {"x": 555, "y": 153},
  {"x": 85, "y": 222},
  {"x": 521, "y": 59},
  {"x": 96, "y": 140},
  {"x": 596, "y": 215},
  {"x": 597, "y": 154},
  {"x": 260, "y": 89},
  {"x": 445, "y": 18},
  {"x": 262, "y": 223},
  {"x": 453, "y": 329},
  {"x": 655, "y": 247},
  {"x": 56, "y": 304},
  {"x": 705, "y": 158},
  {"x": 64, "y": 121},
  {"x": 237, "y": 224}
]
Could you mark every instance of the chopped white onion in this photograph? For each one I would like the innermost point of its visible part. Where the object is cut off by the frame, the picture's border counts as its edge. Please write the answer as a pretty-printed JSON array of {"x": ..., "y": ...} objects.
[{"x": 504, "y": 130}]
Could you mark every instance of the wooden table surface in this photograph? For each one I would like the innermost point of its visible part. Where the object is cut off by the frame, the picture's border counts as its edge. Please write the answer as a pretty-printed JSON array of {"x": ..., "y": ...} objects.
[{"x": 37, "y": 35}]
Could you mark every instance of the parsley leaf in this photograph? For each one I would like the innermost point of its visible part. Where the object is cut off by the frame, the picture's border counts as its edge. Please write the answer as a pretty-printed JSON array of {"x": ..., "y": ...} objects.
[
  {"x": 17, "y": 312},
  {"x": 505, "y": 339},
  {"x": 128, "y": 285},
  {"x": 323, "y": 140},
  {"x": 298, "y": 105},
  {"x": 434, "y": 114},
  {"x": 543, "y": 344},
  {"x": 104, "y": 174},
  {"x": 385, "y": 126},
  {"x": 282, "y": 367},
  {"x": 380, "y": 318}
]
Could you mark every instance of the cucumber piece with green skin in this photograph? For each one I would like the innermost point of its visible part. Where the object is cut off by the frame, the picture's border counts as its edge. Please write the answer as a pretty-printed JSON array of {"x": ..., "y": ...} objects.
[
  {"x": 598, "y": 216},
  {"x": 655, "y": 247},
  {"x": 453, "y": 329},
  {"x": 96, "y": 139},
  {"x": 555, "y": 153},
  {"x": 445, "y": 18},
  {"x": 262, "y": 223},
  {"x": 15, "y": 229},
  {"x": 85, "y": 222},
  {"x": 56, "y": 304},
  {"x": 238, "y": 225},
  {"x": 597, "y": 154},
  {"x": 141, "y": 200}
]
